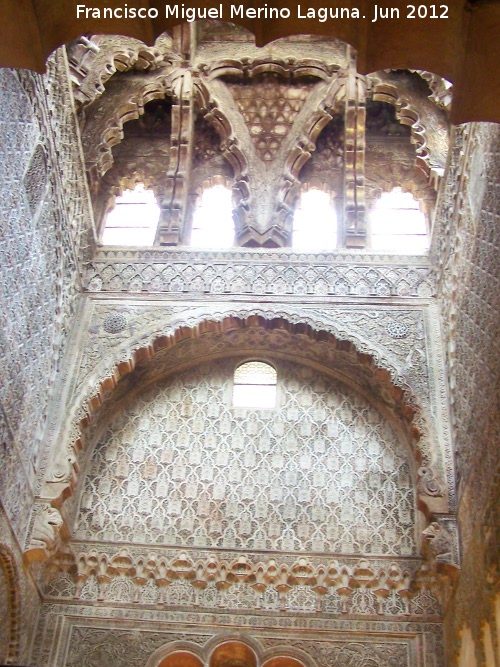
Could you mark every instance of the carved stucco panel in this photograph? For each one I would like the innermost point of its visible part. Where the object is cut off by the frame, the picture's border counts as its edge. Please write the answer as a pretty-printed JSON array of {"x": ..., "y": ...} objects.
[
  {"x": 389, "y": 653},
  {"x": 365, "y": 587},
  {"x": 381, "y": 332},
  {"x": 260, "y": 274},
  {"x": 164, "y": 319},
  {"x": 87, "y": 635},
  {"x": 467, "y": 244},
  {"x": 6, "y": 625},
  {"x": 93, "y": 647},
  {"x": 45, "y": 231},
  {"x": 249, "y": 478},
  {"x": 397, "y": 335}
]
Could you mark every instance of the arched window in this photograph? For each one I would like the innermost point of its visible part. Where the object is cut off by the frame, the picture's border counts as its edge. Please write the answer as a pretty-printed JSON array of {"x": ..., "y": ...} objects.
[
  {"x": 254, "y": 385},
  {"x": 283, "y": 661},
  {"x": 314, "y": 222},
  {"x": 133, "y": 220},
  {"x": 233, "y": 654},
  {"x": 213, "y": 225},
  {"x": 181, "y": 659},
  {"x": 398, "y": 225}
]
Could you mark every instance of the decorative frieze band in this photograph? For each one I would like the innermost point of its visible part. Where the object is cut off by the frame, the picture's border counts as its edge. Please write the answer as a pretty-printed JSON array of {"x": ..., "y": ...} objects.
[
  {"x": 144, "y": 636},
  {"x": 260, "y": 273}
]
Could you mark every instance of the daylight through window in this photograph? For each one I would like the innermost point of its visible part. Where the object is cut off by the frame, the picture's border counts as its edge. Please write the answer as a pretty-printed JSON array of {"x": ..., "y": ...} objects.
[
  {"x": 315, "y": 222},
  {"x": 133, "y": 220},
  {"x": 213, "y": 225},
  {"x": 254, "y": 385},
  {"x": 398, "y": 224}
]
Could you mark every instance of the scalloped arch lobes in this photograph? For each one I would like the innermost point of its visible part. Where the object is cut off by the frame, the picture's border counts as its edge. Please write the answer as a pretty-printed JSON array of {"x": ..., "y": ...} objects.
[{"x": 232, "y": 334}]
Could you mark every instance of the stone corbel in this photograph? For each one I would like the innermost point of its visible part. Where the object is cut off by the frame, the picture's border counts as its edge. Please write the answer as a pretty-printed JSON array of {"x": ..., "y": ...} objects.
[
  {"x": 81, "y": 57},
  {"x": 428, "y": 482},
  {"x": 241, "y": 196},
  {"x": 46, "y": 532},
  {"x": 432, "y": 488},
  {"x": 440, "y": 542},
  {"x": 61, "y": 476}
]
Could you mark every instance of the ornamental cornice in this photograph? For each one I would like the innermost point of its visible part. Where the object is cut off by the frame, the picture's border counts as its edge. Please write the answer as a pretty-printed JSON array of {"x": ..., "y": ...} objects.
[
  {"x": 106, "y": 615},
  {"x": 284, "y": 254},
  {"x": 287, "y": 583}
]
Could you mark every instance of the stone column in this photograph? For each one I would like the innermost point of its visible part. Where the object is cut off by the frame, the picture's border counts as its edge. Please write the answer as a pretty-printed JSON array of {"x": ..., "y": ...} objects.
[
  {"x": 173, "y": 205},
  {"x": 354, "y": 158}
]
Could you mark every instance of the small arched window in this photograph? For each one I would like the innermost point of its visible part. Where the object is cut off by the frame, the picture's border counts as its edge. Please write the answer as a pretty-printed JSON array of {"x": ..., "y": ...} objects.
[
  {"x": 398, "y": 225},
  {"x": 133, "y": 220},
  {"x": 315, "y": 222},
  {"x": 181, "y": 659},
  {"x": 213, "y": 225},
  {"x": 254, "y": 385}
]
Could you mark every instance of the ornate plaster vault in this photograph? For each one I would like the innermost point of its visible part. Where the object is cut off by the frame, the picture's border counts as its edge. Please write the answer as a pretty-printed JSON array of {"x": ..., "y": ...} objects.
[{"x": 149, "y": 518}]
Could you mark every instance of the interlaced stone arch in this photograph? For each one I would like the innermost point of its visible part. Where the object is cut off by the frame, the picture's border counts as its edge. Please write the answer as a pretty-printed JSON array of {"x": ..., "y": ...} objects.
[
  {"x": 290, "y": 69},
  {"x": 296, "y": 146},
  {"x": 130, "y": 106},
  {"x": 94, "y": 59},
  {"x": 386, "y": 89},
  {"x": 98, "y": 140},
  {"x": 289, "y": 188},
  {"x": 263, "y": 220},
  {"x": 212, "y": 113}
]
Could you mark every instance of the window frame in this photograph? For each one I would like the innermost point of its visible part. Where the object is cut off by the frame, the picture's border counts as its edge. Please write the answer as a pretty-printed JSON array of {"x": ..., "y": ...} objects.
[
  {"x": 209, "y": 184},
  {"x": 333, "y": 207},
  {"x": 260, "y": 360},
  {"x": 396, "y": 250},
  {"x": 113, "y": 210}
]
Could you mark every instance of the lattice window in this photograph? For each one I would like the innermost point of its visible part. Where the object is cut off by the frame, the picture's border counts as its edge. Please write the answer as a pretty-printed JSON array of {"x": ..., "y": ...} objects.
[
  {"x": 133, "y": 220},
  {"x": 254, "y": 385},
  {"x": 213, "y": 225},
  {"x": 398, "y": 225},
  {"x": 315, "y": 222}
]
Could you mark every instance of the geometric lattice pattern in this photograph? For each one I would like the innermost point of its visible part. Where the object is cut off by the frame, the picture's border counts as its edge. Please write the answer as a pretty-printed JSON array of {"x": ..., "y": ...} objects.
[
  {"x": 269, "y": 109},
  {"x": 255, "y": 372},
  {"x": 324, "y": 471},
  {"x": 35, "y": 258},
  {"x": 259, "y": 273}
]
